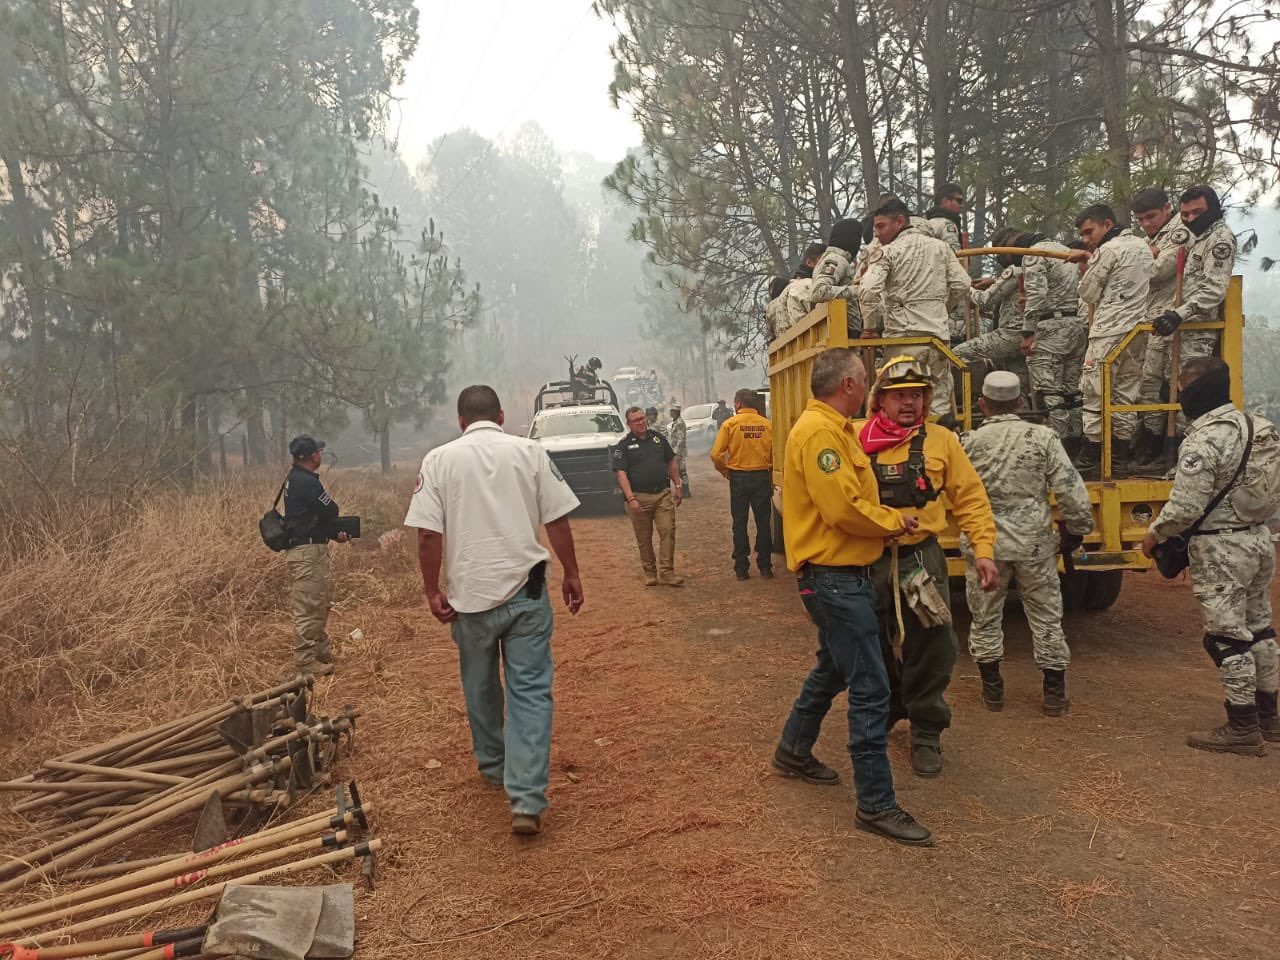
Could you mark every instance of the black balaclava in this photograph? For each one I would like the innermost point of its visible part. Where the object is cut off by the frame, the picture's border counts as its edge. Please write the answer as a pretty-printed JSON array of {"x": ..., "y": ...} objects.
[
  {"x": 847, "y": 235},
  {"x": 1208, "y": 393},
  {"x": 951, "y": 215},
  {"x": 1111, "y": 234},
  {"x": 1211, "y": 216}
]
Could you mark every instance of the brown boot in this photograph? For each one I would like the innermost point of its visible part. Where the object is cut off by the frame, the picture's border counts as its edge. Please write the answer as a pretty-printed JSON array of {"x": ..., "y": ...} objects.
[
  {"x": 1268, "y": 720},
  {"x": 1240, "y": 734}
]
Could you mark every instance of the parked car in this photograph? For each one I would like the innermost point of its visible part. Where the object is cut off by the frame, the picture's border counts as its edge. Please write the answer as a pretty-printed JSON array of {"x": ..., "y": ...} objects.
[{"x": 700, "y": 429}]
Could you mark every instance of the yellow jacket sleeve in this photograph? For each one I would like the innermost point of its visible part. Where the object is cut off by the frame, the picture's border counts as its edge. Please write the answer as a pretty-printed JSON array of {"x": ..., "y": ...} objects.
[
  {"x": 969, "y": 503},
  {"x": 837, "y": 496},
  {"x": 720, "y": 450}
]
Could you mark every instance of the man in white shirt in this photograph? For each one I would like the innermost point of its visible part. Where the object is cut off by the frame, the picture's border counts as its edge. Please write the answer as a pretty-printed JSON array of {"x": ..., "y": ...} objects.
[{"x": 478, "y": 503}]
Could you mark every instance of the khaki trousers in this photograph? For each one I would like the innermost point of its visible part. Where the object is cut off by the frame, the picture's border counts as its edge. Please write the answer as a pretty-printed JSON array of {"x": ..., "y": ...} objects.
[
  {"x": 1126, "y": 382},
  {"x": 309, "y": 569},
  {"x": 657, "y": 511}
]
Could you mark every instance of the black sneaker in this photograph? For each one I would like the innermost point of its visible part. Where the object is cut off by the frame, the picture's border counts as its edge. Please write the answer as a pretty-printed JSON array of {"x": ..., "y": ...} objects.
[
  {"x": 809, "y": 769},
  {"x": 742, "y": 575},
  {"x": 767, "y": 573},
  {"x": 895, "y": 824}
]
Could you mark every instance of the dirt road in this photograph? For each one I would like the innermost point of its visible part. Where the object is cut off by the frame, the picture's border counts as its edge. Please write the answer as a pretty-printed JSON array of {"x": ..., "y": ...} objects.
[{"x": 1099, "y": 835}]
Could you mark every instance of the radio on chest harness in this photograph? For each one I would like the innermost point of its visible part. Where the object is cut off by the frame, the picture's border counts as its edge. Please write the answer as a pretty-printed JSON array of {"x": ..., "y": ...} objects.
[{"x": 905, "y": 484}]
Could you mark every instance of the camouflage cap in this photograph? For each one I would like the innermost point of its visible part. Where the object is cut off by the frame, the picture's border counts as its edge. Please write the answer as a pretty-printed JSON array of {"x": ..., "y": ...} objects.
[{"x": 1002, "y": 386}]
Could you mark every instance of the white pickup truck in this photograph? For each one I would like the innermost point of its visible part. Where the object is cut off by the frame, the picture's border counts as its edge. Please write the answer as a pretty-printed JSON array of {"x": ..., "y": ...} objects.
[{"x": 578, "y": 436}]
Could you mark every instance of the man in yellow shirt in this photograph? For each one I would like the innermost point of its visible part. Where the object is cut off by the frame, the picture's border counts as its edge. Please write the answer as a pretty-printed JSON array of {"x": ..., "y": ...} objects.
[
  {"x": 743, "y": 453},
  {"x": 834, "y": 529},
  {"x": 915, "y": 466}
]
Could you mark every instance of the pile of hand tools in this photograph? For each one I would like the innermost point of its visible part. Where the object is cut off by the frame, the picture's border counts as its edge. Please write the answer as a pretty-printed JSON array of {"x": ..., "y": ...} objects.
[{"x": 257, "y": 753}]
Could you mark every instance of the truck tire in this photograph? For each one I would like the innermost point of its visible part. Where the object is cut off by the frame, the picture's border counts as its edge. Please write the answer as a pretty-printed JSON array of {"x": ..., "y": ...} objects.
[
  {"x": 1103, "y": 589},
  {"x": 1075, "y": 588}
]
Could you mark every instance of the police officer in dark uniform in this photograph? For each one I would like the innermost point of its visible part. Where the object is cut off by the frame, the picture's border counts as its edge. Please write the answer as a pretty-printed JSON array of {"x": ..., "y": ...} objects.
[
  {"x": 649, "y": 474},
  {"x": 309, "y": 513}
]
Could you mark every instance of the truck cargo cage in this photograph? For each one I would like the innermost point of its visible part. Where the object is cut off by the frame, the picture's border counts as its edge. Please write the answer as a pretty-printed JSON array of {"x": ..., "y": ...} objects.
[
  {"x": 1123, "y": 507},
  {"x": 565, "y": 393}
]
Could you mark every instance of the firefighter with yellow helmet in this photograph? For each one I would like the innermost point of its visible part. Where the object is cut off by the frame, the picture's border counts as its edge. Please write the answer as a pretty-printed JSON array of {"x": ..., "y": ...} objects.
[{"x": 916, "y": 464}]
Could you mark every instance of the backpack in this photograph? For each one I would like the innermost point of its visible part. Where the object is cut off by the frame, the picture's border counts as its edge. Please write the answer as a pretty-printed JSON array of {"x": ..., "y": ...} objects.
[
  {"x": 272, "y": 527},
  {"x": 1256, "y": 497}
]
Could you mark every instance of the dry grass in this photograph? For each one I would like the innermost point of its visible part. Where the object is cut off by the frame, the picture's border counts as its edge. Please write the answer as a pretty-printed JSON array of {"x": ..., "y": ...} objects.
[{"x": 115, "y": 618}]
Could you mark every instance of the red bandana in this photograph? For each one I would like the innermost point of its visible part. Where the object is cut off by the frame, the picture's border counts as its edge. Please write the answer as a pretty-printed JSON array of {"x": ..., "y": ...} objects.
[{"x": 880, "y": 433}]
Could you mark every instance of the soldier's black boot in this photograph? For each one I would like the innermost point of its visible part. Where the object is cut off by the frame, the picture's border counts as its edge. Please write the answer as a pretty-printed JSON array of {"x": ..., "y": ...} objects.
[
  {"x": 1072, "y": 446},
  {"x": 1089, "y": 459},
  {"x": 1147, "y": 445},
  {"x": 1240, "y": 734},
  {"x": 1055, "y": 693},
  {"x": 1268, "y": 718},
  {"x": 1135, "y": 463},
  {"x": 1121, "y": 457},
  {"x": 992, "y": 685}
]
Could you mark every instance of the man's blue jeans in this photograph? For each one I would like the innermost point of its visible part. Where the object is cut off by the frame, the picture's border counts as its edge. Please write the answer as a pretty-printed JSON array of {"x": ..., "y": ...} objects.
[
  {"x": 842, "y": 605},
  {"x": 517, "y": 755}
]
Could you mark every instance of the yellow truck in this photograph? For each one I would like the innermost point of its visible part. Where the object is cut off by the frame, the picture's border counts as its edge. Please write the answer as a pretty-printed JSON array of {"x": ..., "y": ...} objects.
[{"x": 1122, "y": 508}]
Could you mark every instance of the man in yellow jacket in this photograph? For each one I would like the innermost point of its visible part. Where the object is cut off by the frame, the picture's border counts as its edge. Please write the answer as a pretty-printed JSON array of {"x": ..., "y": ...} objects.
[
  {"x": 835, "y": 529},
  {"x": 743, "y": 453},
  {"x": 916, "y": 465}
]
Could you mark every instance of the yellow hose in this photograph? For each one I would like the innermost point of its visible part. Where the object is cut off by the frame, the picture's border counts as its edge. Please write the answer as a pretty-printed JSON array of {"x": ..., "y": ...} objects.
[{"x": 1013, "y": 252}]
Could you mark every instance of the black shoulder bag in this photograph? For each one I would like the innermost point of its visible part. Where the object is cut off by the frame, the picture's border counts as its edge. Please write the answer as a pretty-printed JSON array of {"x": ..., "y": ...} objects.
[
  {"x": 1171, "y": 556},
  {"x": 275, "y": 533}
]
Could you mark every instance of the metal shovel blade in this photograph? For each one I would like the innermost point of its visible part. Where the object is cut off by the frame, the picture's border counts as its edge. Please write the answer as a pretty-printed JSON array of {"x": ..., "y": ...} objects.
[
  {"x": 336, "y": 932},
  {"x": 267, "y": 923},
  {"x": 211, "y": 827},
  {"x": 237, "y": 731},
  {"x": 298, "y": 707}
]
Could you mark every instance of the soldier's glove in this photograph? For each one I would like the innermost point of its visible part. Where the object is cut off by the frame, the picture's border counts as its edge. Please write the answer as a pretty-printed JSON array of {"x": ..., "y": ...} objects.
[
  {"x": 1070, "y": 541},
  {"x": 1166, "y": 323}
]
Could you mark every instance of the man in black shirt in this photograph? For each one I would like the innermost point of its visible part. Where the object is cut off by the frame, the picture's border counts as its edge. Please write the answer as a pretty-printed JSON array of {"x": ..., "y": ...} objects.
[
  {"x": 309, "y": 513},
  {"x": 649, "y": 476}
]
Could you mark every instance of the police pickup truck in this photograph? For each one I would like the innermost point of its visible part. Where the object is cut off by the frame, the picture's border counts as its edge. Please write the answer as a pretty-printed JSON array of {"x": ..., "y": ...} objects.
[{"x": 577, "y": 429}]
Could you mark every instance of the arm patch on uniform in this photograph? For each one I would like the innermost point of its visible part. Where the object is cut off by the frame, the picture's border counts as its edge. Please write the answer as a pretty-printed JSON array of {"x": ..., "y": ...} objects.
[
  {"x": 418, "y": 485},
  {"x": 1222, "y": 251},
  {"x": 555, "y": 471},
  {"x": 829, "y": 269},
  {"x": 1179, "y": 236},
  {"x": 828, "y": 460},
  {"x": 1191, "y": 463}
]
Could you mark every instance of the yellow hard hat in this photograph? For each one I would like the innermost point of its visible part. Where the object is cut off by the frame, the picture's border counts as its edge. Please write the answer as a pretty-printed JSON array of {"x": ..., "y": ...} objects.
[{"x": 902, "y": 372}]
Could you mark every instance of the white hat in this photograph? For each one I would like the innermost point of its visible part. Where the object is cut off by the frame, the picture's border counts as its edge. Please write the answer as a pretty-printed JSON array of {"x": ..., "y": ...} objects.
[{"x": 1002, "y": 385}]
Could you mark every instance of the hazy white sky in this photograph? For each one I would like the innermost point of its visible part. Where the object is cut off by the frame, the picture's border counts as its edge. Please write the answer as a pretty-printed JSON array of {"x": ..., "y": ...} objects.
[{"x": 493, "y": 64}]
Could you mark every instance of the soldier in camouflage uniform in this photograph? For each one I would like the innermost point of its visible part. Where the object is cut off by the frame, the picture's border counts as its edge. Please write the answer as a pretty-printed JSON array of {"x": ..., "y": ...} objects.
[
  {"x": 1166, "y": 236},
  {"x": 1209, "y": 259},
  {"x": 1232, "y": 561},
  {"x": 1001, "y": 347},
  {"x": 920, "y": 279},
  {"x": 833, "y": 275},
  {"x": 1115, "y": 287},
  {"x": 1020, "y": 463},
  {"x": 677, "y": 436},
  {"x": 1053, "y": 335},
  {"x": 945, "y": 223}
]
